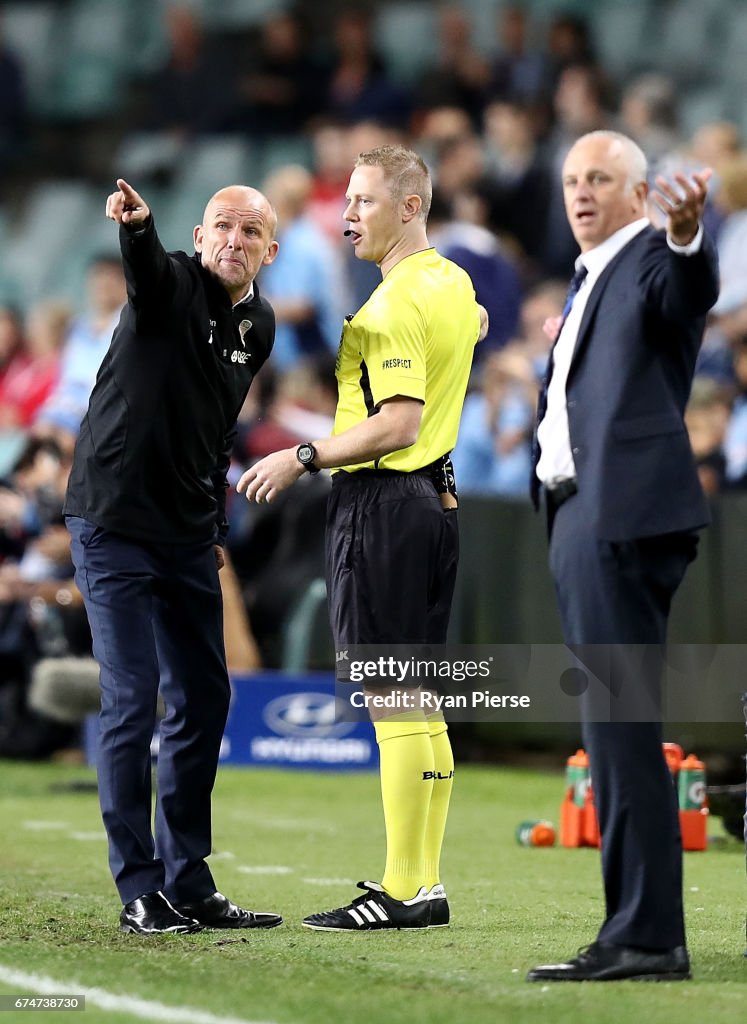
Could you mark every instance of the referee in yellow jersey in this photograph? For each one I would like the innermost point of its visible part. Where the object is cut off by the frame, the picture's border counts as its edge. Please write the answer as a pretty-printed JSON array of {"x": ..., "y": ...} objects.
[{"x": 392, "y": 546}]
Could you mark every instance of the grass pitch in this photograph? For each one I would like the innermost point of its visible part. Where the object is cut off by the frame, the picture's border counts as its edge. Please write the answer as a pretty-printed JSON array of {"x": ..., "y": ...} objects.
[{"x": 295, "y": 843}]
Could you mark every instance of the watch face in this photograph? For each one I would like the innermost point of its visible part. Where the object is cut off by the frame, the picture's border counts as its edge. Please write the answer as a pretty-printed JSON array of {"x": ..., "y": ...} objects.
[{"x": 305, "y": 453}]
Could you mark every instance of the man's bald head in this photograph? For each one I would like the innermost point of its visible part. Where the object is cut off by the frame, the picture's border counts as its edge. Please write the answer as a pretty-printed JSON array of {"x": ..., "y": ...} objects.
[
  {"x": 242, "y": 198},
  {"x": 604, "y": 186},
  {"x": 237, "y": 237},
  {"x": 621, "y": 147}
]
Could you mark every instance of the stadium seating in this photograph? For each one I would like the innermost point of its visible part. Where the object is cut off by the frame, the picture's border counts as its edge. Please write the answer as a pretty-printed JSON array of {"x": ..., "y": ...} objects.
[
  {"x": 275, "y": 152},
  {"x": 92, "y": 50},
  {"x": 227, "y": 14},
  {"x": 732, "y": 63},
  {"x": 211, "y": 162},
  {"x": 146, "y": 155},
  {"x": 30, "y": 31},
  {"x": 621, "y": 35},
  {"x": 691, "y": 33},
  {"x": 41, "y": 243},
  {"x": 700, "y": 105},
  {"x": 407, "y": 34},
  {"x": 80, "y": 58},
  {"x": 303, "y": 628}
]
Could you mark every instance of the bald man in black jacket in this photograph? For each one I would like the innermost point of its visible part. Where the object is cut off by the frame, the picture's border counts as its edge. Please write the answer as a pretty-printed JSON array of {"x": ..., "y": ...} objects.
[{"x": 146, "y": 510}]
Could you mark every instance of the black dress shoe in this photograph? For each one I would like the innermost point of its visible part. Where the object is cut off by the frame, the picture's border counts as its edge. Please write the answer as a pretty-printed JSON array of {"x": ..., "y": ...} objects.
[
  {"x": 152, "y": 914},
  {"x": 599, "y": 962},
  {"x": 217, "y": 911}
]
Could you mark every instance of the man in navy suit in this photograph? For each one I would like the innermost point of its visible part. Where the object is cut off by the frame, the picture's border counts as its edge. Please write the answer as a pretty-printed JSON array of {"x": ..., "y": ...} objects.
[{"x": 624, "y": 506}]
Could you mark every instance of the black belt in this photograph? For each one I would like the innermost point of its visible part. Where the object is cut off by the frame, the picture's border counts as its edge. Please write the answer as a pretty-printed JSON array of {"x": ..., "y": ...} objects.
[
  {"x": 440, "y": 472},
  {"x": 560, "y": 492}
]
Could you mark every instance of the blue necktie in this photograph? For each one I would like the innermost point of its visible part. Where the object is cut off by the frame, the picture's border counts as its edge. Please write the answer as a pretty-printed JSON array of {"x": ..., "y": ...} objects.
[{"x": 576, "y": 281}]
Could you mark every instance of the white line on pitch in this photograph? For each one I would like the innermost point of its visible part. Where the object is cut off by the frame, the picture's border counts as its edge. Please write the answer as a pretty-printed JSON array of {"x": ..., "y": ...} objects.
[
  {"x": 289, "y": 824},
  {"x": 328, "y": 881},
  {"x": 145, "y": 1008},
  {"x": 264, "y": 869}
]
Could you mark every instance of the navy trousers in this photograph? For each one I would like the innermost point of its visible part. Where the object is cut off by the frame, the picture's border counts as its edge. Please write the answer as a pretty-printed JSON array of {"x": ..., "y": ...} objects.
[
  {"x": 617, "y": 597},
  {"x": 156, "y": 617}
]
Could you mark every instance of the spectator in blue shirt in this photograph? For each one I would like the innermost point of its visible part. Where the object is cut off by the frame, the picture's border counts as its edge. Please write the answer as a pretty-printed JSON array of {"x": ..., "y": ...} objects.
[
  {"x": 464, "y": 238},
  {"x": 493, "y": 450},
  {"x": 85, "y": 347},
  {"x": 304, "y": 284}
]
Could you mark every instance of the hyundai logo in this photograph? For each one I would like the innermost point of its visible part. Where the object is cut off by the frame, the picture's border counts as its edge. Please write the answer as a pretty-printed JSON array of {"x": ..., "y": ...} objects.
[{"x": 305, "y": 714}]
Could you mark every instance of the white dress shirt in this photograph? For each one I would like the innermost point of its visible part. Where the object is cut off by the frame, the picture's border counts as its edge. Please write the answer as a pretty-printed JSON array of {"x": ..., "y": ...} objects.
[{"x": 556, "y": 458}]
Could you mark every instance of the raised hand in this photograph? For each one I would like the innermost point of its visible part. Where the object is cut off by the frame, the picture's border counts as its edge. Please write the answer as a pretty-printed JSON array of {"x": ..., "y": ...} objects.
[
  {"x": 126, "y": 207},
  {"x": 683, "y": 205}
]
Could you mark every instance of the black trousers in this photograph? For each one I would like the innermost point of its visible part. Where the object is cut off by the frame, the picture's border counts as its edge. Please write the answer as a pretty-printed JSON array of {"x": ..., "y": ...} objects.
[
  {"x": 157, "y": 621},
  {"x": 391, "y": 556},
  {"x": 620, "y": 594}
]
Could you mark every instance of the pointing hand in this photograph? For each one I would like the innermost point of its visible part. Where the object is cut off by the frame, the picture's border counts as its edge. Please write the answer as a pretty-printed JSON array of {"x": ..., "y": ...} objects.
[{"x": 126, "y": 207}]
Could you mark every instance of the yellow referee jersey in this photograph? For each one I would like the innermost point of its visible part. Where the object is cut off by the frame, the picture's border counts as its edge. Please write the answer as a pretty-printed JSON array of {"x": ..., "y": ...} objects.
[{"x": 414, "y": 337}]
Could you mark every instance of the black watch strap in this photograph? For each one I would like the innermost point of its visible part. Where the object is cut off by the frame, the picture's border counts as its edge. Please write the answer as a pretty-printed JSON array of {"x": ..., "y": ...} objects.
[{"x": 306, "y": 453}]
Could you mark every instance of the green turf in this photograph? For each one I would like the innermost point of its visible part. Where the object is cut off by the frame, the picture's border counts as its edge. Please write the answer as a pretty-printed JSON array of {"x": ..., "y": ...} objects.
[{"x": 512, "y": 907}]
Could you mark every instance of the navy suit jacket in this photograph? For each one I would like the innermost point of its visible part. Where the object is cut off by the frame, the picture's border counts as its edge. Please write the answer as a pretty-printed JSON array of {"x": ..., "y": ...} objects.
[{"x": 628, "y": 385}]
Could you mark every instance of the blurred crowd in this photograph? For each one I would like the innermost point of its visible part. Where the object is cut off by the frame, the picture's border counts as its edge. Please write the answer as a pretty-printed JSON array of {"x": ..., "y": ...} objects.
[{"x": 494, "y": 129}]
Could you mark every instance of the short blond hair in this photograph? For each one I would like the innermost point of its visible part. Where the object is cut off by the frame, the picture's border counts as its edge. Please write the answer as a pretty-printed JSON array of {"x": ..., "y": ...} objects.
[{"x": 405, "y": 172}]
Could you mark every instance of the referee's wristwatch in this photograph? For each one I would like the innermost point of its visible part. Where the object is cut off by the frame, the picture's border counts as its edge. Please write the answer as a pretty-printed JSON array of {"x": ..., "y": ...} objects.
[{"x": 306, "y": 453}]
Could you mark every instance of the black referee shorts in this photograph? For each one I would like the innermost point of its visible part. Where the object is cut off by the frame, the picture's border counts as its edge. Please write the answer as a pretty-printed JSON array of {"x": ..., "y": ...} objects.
[{"x": 392, "y": 554}]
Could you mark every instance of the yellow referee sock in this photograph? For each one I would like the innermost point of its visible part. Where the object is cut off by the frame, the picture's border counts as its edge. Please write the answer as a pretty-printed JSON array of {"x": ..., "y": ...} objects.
[
  {"x": 406, "y": 768},
  {"x": 439, "y": 808}
]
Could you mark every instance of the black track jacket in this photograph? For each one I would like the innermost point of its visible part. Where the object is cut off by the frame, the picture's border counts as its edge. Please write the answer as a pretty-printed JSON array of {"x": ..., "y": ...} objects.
[{"x": 155, "y": 444}]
